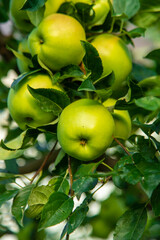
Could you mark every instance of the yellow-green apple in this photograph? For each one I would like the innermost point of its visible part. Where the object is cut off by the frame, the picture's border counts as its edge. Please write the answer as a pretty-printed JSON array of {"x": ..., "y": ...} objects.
[
  {"x": 24, "y": 108},
  {"x": 20, "y": 17},
  {"x": 23, "y": 63},
  {"x": 85, "y": 129},
  {"x": 100, "y": 7},
  {"x": 56, "y": 41},
  {"x": 123, "y": 125},
  {"x": 115, "y": 57}
]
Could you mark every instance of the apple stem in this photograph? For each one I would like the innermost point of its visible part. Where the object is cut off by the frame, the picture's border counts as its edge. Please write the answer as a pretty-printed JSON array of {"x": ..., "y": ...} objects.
[
  {"x": 43, "y": 163},
  {"x": 122, "y": 146},
  {"x": 70, "y": 175}
]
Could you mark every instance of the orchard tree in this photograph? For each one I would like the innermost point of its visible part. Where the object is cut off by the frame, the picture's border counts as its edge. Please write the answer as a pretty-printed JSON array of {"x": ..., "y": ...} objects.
[{"x": 82, "y": 115}]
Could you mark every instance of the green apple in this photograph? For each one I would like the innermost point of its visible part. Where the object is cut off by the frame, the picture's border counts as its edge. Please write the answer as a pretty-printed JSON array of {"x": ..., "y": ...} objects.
[
  {"x": 20, "y": 17},
  {"x": 24, "y": 108},
  {"x": 115, "y": 57},
  {"x": 100, "y": 7},
  {"x": 85, "y": 129},
  {"x": 56, "y": 41},
  {"x": 24, "y": 63},
  {"x": 123, "y": 125},
  {"x": 52, "y": 6}
]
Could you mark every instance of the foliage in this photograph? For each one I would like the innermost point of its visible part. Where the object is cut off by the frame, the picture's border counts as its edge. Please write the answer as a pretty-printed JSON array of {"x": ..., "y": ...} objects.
[{"x": 133, "y": 167}]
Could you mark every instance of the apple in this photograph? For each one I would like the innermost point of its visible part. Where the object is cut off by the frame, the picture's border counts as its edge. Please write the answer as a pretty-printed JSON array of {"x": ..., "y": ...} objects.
[
  {"x": 52, "y": 6},
  {"x": 115, "y": 57},
  {"x": 56, "y": 41},
  {"x": 100, "y": 7},
  {"x": 85, "y": 129},
  {"x": 24, "y": 64},
  {"x": 24, "y": 108},
  {"x": 123, "y": 125},
  {"x": 20, "y": 17}
]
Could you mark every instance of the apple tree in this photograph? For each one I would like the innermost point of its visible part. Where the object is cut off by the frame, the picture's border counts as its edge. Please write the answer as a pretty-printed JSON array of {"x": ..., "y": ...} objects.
[{"x": 79, "y": 115}]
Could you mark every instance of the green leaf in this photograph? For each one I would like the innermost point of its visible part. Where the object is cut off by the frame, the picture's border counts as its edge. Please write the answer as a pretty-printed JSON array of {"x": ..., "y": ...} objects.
[
  {"x": 86, "y": 169},
  {"x": 59, "y": 157},
  {"x": 92, "y": 61},
  {"x": 37, "y": 199},
  {"x": 33, "y": 5},
  {"x": 56, "y": 210},
  {"x": 25, "y": 140},
  {"x": 136, "y": 32},
  {"x": 83, "y": 184},
  {"x": 77, "y": 216},
  {"x": 20, "y": 202},
  {"x": 70, "y": 71},
  {"x": 155, "y": 201},
  {"x": 85, "y": 12},
  {"x": 59, "y": 184},
  {"x": 105, "y": 81},
  {"x": 37, "y": 16},
  {"x": 125, "y": 8},
  {"x": 87, "y": 85},
  {"x": 7, "y": 196},
  {"x": 51, "y": 100},
  {"x": 131, "y": 224},
  {"x": 4, "y": 176},
  {"x": 15, "y": 148},
  {"x": 149, "y": 103},
  {"x": 22, "y": 77}
]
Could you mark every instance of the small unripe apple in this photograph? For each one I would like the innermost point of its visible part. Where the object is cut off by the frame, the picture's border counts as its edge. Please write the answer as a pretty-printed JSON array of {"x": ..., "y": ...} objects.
[
  {"x": 23, "y": 65},
  {"x": 20, "y": 17},
  {"x": 115, "y": 57},
  {"x": 123, "y": 125},
  {"x": 56, "y": 41},
  {"x": 85, "y": 129},
  {"x": 24, "y": 108}
]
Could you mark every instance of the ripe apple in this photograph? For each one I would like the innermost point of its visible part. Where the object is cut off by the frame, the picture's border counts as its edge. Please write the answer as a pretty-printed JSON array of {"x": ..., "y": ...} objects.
[
  {"x": 100, "y": 7},
  {"x": 85, "y": 129},
  {"x": 123, "y": 125},
  {"x": 23, "y": 64},
  {"x": 20, "y": 17},
  {"x": 24, "y": 108},
  {"x": 56, "y": 41},
  {"x": 115, "y": 57}
]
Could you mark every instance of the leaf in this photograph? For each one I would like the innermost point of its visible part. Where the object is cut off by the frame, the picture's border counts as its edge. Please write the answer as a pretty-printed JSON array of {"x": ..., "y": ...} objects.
[
  {"x": 136, "y": 32},
  {"x": 59, "y": 157},
  {"x": 51, "y": 100},
  {"x": 20, "y": 202},
  {"x": 83, "y": 184},
  {"x": 85, "y": 12},
  {"x": 86, "y": 169},
  {"x": 37, "y": 199},
  {"x": 149, "y": 103},
  {"x": 37, "y": 16},
  {"x": 4, "y": 176},
  {"x": 33, "y": 5},
  {"x": 87, "y": 85},
  {"x": 131, "y": 224},
  {"x": 70, "y": 71},
  {"x": 59, "y": 184},
  {"x": 25, "y": 140},
  {"x": 155, "y": 201},
  {"x": 125, "y": 8},
  {"x": 22, "y": 77},
  {"x": 105, "y": 81},
  {"x": 7, "y": 195},
  {"x": 92, "y": 61},
  {"x": 56, "y": 210}
]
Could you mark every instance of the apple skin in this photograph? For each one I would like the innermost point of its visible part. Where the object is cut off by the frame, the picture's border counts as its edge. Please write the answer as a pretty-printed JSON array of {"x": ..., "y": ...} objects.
[
  {"x": 20, "y": 17},
  {"x": 101, "y": 9},
  {"x": 52, "y": 6},
  {"x": 123, "y": 125},
  {"x": 23, "y": 66},
  {"x": 85, "y": 129},
  {"x": 57, "y": 41},
  {"x": 115, "y": 57},
  {"x": 24, "y": 108}
]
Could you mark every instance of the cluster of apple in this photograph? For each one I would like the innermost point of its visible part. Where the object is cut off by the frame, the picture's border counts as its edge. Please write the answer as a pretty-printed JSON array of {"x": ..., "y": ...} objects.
[{"x": 86, "y": 127}]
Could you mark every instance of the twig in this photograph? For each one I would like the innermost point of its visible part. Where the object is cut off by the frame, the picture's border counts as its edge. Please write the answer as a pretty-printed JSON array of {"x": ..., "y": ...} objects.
[
  {"x": 70, "y": 175},
  {"x": 43, "y": 163},
  {"x": 122, "y": 146},
  {"x": 106, "y": 165},
  {"x": 67, "y": 236}
]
